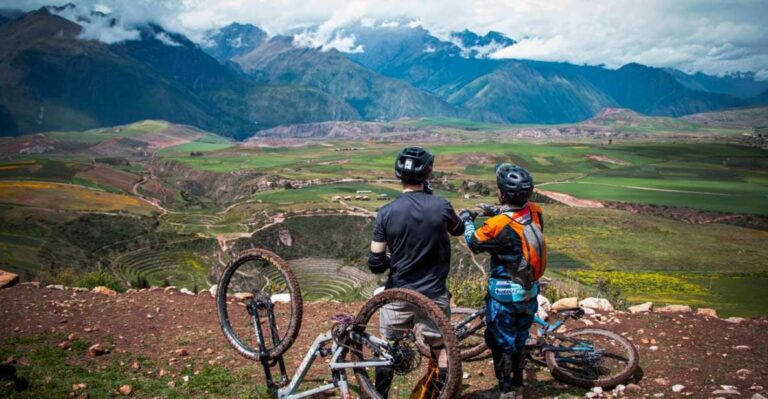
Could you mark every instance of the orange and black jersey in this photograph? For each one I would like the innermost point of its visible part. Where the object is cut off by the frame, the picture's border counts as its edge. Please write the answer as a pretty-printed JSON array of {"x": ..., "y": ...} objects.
[{"x": 514, "y": 240}]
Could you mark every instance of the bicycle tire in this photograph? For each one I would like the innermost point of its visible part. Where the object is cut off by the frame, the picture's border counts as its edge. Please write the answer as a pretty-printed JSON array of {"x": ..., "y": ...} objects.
[
  {"x": 472, "y": 351},
  {"x": 564, "y": 375},
  {"x": 296, "y": 303},
  {"x": 395, "y": 295}
]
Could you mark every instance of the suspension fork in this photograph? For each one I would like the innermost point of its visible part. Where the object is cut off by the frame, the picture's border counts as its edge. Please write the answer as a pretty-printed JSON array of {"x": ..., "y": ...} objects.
[{"x": 255, "y": 308}]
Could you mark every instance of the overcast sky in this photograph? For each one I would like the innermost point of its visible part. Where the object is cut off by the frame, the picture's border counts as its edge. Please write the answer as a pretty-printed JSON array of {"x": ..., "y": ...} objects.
[{"x": 693, "y": 35}]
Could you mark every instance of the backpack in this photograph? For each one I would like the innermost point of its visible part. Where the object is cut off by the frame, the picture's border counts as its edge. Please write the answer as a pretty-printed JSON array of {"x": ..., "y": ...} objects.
[{"x": 526, "y": 223}]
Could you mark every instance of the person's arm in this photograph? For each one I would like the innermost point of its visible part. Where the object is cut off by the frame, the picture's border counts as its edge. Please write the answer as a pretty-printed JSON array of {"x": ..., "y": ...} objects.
[
  {"x": 454, "y": 224},
  {"x": 378, "y": 261},
  {"x": 486, "y": 238}
]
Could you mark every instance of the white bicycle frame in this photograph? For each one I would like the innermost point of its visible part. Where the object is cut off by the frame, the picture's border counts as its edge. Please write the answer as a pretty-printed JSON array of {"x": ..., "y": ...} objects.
[{"x": 336, "y": 365}]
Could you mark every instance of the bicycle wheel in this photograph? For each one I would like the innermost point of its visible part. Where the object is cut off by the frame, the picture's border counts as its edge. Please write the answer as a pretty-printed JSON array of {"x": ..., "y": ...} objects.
[
  {"x": 412, "y": 369},
  {"x": 259, "y": 276},
  {"x": 591, "y": 357},
  {"x": 471, "y": 333}
]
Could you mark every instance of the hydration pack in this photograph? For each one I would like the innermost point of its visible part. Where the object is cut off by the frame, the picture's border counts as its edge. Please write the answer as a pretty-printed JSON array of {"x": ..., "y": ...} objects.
[{"x": 526, "y": 223}]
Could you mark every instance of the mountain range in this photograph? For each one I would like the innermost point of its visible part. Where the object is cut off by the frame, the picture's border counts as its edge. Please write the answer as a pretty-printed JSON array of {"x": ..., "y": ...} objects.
[{"x": 240, "y": 80}]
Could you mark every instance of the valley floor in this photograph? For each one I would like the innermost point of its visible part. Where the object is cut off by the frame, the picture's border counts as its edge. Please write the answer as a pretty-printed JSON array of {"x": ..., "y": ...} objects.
[{"x": 167, "y": 344}]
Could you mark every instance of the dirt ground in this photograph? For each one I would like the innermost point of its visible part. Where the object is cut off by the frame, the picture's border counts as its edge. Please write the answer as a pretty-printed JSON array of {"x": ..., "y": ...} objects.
[{"x": 697, "y": 352}]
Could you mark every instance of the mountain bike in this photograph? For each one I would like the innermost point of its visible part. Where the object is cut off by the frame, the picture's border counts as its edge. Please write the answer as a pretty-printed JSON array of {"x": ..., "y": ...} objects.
[
  {"x": 260, "y": 311},
  {"x": 585, "y": 357}
]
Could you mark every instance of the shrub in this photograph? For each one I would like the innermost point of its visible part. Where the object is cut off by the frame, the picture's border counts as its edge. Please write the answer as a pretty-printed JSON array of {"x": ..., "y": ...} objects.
[
  {"x": 468, "y": 292},
  {"x": 140, "y": 282},
  {"x": 98, "y": 278}
]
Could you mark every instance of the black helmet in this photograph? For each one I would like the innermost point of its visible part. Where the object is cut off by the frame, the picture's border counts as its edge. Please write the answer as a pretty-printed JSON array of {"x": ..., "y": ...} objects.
[
  {"x": 413, "y": 165},
  {"x": 514, "y": 182}
]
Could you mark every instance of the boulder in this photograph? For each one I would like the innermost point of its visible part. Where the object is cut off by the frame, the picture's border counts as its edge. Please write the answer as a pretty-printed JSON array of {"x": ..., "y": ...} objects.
[
  {"x": 565, "y": 303},
  {"x": 706, "y": 312},
  {"x": 104, "y": 291},
  {"x": 641, "y": 308},
  {"x": 8, "y": 279},
  {"x": 600, "y": 304},
  {"x": 674, "y": 309}
]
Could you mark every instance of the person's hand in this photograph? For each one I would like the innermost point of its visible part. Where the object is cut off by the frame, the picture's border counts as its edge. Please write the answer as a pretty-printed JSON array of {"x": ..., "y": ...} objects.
[
  {"x": 489, "y": 210},
  {"x": 467, "y": 215}
]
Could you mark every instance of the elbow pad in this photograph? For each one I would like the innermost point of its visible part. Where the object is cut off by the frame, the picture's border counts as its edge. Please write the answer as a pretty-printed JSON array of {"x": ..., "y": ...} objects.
[{"x": 378, "y": 262}]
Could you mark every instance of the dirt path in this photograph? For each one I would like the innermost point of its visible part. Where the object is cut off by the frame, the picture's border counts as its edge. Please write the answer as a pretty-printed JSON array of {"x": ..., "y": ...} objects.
[
  {"x": 149, "y": 327},
  {"x": 571, "y": 200}
]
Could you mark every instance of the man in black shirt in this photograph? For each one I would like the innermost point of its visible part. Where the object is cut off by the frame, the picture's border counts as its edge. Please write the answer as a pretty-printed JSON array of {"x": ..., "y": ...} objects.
[{"x": 415, "y": 227}]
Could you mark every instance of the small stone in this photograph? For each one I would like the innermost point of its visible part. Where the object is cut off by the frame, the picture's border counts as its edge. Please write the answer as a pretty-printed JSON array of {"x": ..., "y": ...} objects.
[
  {"x": 735, "y": 320},
  {"x": 678, "y": 388},
  {"x": 565, "y": 303},
  {"x": 88, "y": 329},
  {"x": 653, "y": 348},
  {"x": 465, "y": 375},
  {"x": 96, "y": 350},
  {"x": 758, "y": 396},
  {"x": 104, "y": 291},
  {"x": 600, "y": 304},
  {"x": 181, "y": 352},
  {"x": 642, "y": 308},
  {"x": 597, "y": 390},
  {"x": 243, "y": 295},
  {"x": 65, "y": 345},
  {"x": 674, "y": 309},
  {"x": 169, "y": 288},
  {"x": 661, "y": 381},
  {"x": 135, "y": 366},
  {"x": 708, "y": 312},
  {"x": 185, "y": 378},
  {"x": 8, "y": 279},
  {"x": 55, "y": 287},
  {"x": 212, "y": 290},
  {"x": 742, "y": 347},
  {"x": 162, "y": 373},
  {"x": 126, "y": 390},
  {"x": 171, "y": 384},
  {"x": 658, "y": 395},
  {"x": 756, "y": 388},
  {"x": 149, "y": 316},
  {"x": 209, "y": 351},
  {"x": 71, "y": 337},
  {"x": 186, "y": 291},
  {"x": 634, "y": 388},
  {"x": 77, "y": 387}
]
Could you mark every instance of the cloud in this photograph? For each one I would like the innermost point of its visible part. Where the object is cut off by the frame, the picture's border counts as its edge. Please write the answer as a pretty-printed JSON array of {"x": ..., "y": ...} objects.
[{"x": 711, "y": 36}]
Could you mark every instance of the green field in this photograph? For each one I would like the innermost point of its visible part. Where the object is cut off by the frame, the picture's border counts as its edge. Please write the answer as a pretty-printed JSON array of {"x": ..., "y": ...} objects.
[{"x": 65, "y": 213}]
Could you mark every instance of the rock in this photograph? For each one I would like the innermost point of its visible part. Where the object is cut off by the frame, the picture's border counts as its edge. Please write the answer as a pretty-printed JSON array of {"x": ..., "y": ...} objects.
[
  {"x": 55, "y": 287},
  {"x": 104, "y": 291},
  {"x": 544, "y": 303},
  {"x": 589, "y": 395},
  {"x": 77, "y": 387},
  {"x": 661, "y": 381},
  {"x": 203, "y": 292},
  {"x": 465, "y": 375},
  {"x": 588, "y": 311},
  {"x": 126, "y": 390},
  {"x": 281, "y": 298},
  {"x": 758, "y": 396},
  {"x": 587, "y": 322},
  {"x": 674, "y": 309},
  {"x": 8, "y": 279},
  {"x": 735, "y": 320},
  {"x": 706, "y": 312},
  {"x": 726, "y": 392},
  {"x": 653, "y": 348},
  {"x": 96, "y": 350},
  {"x": 597, "y": 390},
  {"x": 181, "y": 352},
  {"x": 634, "y": 388},
  {"x": 155, "y": 288},
  {"x": 600, "y": 304},
  {"x": 65, "y": 345},
  {"x": 243, "y": 295},
  {"x": 212, "y": 290},
  {"x": 170, "y": 288},
  {"x": 135, "y": 365},
  {"x": 678, "y": 388},
  {"x": 642, "y": 308},
  {"x": 742, "y": 347},
  {"x": 756, "y": 388},
  {"x": 565, "y": 303},
  {"x": 186, "y": 291}
]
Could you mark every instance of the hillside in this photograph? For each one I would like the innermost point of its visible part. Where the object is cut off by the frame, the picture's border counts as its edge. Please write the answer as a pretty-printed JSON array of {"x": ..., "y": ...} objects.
[{"x": 163, "y": 342}]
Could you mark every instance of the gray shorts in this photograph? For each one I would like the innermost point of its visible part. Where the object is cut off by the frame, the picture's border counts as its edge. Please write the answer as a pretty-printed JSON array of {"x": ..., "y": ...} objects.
[{"x": 398, "y": 317}]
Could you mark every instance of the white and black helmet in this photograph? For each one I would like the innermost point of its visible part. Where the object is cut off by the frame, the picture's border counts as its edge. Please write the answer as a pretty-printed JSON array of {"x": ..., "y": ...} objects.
[
  {"x": 413, "y": 165},
  {"x": 515, "y": 183}
]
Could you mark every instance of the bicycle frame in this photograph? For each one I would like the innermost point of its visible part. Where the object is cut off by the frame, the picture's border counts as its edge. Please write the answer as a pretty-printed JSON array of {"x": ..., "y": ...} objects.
[{"x": 259, "y": 307}]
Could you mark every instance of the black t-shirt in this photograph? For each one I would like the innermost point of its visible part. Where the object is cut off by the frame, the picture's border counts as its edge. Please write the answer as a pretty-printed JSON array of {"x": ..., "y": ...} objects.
[{"x": 415, "y": 227}]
